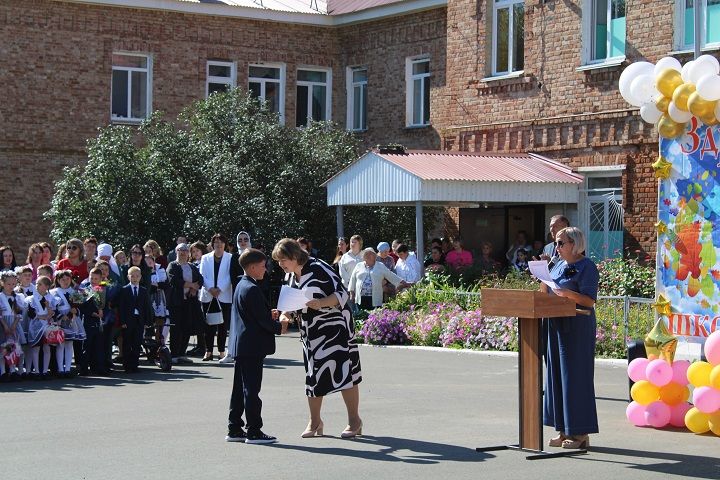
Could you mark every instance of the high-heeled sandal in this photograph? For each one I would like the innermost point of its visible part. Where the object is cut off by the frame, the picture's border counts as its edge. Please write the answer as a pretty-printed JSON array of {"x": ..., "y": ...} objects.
[
  {"x": 208, "y": 357},
  {"x": 313, "y": 432},
  {"x": 577, "y": 442},
  {"x": 349, "y": 433},
  {"x": 557, "y": 441}
]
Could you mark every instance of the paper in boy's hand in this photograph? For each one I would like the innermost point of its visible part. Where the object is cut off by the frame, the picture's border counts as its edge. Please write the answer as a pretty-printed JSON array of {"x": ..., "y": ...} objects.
[
  {"x": 539, "y": 268},
  {"x": 291, "y": 299}
]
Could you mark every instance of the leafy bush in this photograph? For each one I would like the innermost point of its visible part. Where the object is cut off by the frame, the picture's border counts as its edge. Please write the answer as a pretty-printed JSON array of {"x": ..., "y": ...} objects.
[{"x": 626, "y": 277}]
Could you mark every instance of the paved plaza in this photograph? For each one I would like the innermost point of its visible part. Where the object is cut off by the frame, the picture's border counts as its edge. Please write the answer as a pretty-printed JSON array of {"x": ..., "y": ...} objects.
[{"x": 424, "y": 414}]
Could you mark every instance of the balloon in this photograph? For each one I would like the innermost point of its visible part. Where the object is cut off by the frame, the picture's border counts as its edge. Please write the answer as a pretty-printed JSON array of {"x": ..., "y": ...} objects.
[
  {"x": 685, "y": 71},
  {"x": 709, "y": 87},
  {"x": 699, "y": 374},
  {"x": 636, "y": 369},
  {"x": 680, "y": 368},
  {"x": 712, "y": 343},
  {"x": 667, "y": 63},
  {"x": 657, "y": 414},
  {"x": 645, "y": 392},
  {"x": 715, "y": 377},
  {"x": 696, "y": 421},
  {"x": 650, "y": 113},
  {"x": 636, "y": 414},
  {"x": 659, "y": 372},
  {"x": 682, "y": 94},
  {"x": 714, "y": 423},
  {"x": 699, "y": 106},
  {"x": 668, "y": 81},
  {"x": 678, "y": 115},
  {"x": 674, "y": 393},
  {"x": 706, "y": 399},
  {"x": 717, "y": 113},
  {"x": 662, "y": 103},
  {"x": 642, "y": 89},
  {"x": 700, "y": 70},
  {"x": 712, "y": 60},
  {"x": 628, "y": 75},
  {"x": 709, "y": 119},
  {"x": 669, "y": 129},
  {"x": 677, "y": 414}
]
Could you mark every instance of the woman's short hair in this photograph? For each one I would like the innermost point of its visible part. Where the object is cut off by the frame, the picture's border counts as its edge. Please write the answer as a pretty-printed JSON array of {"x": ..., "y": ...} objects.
[
  {"x": 91, "y": 239},
  {"x": 289, "y": 249},
  {"x": 47, "y": 245},
  {"x": 368, "y": 251},
  {"x": 576, "y": 236},
  {"x": 78, "y": 243},
  {"x": 218, "y": 236},
  {"x": 402, "y": 248},
  {"x": 358, "y": 238},
  {"x": 157, "y": 251},
  {"x": 199, "y": 246}
]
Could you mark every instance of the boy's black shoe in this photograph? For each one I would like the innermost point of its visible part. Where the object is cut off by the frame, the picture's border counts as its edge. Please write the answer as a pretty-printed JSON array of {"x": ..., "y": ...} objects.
[
  {"x": 238, "y": 436},
  {"x": 259, "y": 438}
]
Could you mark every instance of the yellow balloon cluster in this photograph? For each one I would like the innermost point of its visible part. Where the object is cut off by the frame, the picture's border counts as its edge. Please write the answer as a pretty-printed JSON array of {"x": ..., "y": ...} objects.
[{"x": 704, "y": 416}]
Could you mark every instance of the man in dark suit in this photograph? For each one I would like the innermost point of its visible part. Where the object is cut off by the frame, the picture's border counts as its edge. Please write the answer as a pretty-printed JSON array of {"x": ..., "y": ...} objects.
[
  {"x": 135, "y": 312},
  {"x": 253, "y": 327}
]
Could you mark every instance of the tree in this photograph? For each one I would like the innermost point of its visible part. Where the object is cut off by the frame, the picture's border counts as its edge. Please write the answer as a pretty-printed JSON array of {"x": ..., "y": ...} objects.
[{"x": 225, "y": 165}]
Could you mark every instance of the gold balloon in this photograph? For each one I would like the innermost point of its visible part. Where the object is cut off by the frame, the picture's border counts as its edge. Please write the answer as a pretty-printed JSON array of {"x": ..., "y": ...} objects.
[
  {"x": 709, "y": 120},
  {"x": 700, "y": 107},
  {"x": 662, "y": 167},
  {"x": 662, "y": 305},
  {"x": 663, "y": 103},
  {"x": 660, "y": 342},
  {"x": 681, "y": 94},
  {"x": 660, "y": 226},
  {"x": 668, "y": 81},
  {"x": 668, "y": 128}
]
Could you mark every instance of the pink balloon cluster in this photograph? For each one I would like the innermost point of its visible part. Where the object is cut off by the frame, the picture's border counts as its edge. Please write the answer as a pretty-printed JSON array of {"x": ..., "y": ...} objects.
[
  {"x": 660, "y": 393},
  {"x": 705, "y": 377}
]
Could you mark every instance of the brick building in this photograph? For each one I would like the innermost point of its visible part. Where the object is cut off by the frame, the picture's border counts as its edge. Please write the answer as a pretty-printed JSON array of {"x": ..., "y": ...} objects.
[{"x": 485, "y": 76}]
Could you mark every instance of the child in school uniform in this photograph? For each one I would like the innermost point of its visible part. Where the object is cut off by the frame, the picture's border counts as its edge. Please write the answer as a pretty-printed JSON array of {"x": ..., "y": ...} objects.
[
  {"x": 25, "y": 281},
  {"x": 521, "y": 261},
  {"x": 12, "y": 336},
  {"x": 41, "y": 311},
  {"x": 93, "y": 312},
  {"x": 68, "y": 315},
  {"x": 158, "y": 283},
  {"x": 135, "y": 312}
]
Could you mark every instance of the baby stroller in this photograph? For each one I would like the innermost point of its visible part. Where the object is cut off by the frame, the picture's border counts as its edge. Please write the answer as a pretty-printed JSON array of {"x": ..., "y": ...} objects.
[{"x": 154, "y": 345}]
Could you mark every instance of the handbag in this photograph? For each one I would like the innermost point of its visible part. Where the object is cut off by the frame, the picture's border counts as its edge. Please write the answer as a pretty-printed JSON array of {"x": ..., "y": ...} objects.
[
  {"x": 54, "y": 336},
  {"x": 214, "y": 318}
]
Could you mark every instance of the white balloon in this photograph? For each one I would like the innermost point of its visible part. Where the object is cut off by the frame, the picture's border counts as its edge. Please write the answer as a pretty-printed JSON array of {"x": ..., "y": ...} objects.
[
  {"x": 709, "y": 87},
  {"x": 700, "y": 70},
  {"x": 642, "y": 90},
  {"x": 685, "y": 72},
  {"x": 629, "y": 74},
  {"x": 711, "y": 59},
  {"x": 650, "y": 113},
  {"x": 678, "y": 115},
  {"x": 665, "y": 63}
]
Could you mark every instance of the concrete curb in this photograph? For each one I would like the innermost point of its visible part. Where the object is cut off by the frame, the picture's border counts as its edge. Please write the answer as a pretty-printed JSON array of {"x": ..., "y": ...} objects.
[{"x": 615, "y": 362}]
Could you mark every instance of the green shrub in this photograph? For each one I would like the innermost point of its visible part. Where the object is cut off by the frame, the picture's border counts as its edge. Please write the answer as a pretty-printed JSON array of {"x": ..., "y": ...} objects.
[{"x": 626, "y": 277}]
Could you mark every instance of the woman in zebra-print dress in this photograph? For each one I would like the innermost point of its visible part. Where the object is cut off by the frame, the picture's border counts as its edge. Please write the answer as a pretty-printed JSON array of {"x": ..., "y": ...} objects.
[{"x": 330, "y": 353}]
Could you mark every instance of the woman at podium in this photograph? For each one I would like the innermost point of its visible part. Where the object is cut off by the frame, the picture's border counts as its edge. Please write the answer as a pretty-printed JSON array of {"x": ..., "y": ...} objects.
[{"x": 569, "y": 403}]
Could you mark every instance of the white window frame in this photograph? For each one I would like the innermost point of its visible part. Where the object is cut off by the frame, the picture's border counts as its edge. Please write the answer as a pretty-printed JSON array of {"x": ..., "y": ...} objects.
[
  {"x": 680, "y": 28},
  {"x": 231, "y": 82},
  {"x": 350, "y": 89},
  {"x": 410, "y": 85},
  {"x": 148, "y": 90},
  {"x": 588, "y": 12},
  {"x": 328, "y": 90},
  {"x": 587, "y": 196},
  {"x": 510, "y": 4},
  {"x": 262, "y": 81}
]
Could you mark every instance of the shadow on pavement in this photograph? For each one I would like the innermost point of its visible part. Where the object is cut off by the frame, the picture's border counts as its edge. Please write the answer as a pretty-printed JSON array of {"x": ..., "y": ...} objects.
[
  {"x": 688, "y": 466},
  {"x": 392, "y": 449},
  {"x": 276, "y": 363}
]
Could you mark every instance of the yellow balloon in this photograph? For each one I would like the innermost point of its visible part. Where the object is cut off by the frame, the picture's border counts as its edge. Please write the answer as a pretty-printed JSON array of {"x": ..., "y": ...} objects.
[
  {"x": 668, "y": 128},
  {"x": 668, "y": 81},
  {"x": 674, "y": 393},
  {"x": 709, "y": 119},
  {"x": 715, "y": 377},
  {"x": 699, "y": 374},
  {"x": 696, "y": 421},
  {"x": 645, "y": 392},
  {"x": 663, "y": 103},
  {"x": 682, "y": 94},
  {"x": 700, "y": 107},
  {"x": 714, "y": 423}
]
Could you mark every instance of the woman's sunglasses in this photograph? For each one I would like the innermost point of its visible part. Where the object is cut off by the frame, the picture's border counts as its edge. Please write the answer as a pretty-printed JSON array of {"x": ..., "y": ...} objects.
[
  {"x": 560, "y": 243},
  {"x": 72, "y": 247}
]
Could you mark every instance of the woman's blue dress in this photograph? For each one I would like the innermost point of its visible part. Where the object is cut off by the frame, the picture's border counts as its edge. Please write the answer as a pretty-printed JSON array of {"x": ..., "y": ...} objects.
[{"x": 569, "y": 403}]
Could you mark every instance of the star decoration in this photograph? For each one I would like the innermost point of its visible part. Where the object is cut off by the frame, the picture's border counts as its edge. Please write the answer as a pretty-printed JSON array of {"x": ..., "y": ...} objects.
[
  {"x": 662, "y": 168},
  {"x": 662, "y": 305},
  {"x": 661, "y": 227}
]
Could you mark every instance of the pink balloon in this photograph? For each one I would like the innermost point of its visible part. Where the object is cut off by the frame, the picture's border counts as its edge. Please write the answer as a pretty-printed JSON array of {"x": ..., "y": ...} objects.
[
  {"x": 706, "y": 399},
  {"x": 680, "y": 368},
  {"x": 636, "y": 369},
  {"x": 659, "y": 372},
  {"x": 636, "y": 414},
  {"x": 677, "y": 414},
  {"x": 712, "y": 348},
  {"x": 657, "y": 414}
]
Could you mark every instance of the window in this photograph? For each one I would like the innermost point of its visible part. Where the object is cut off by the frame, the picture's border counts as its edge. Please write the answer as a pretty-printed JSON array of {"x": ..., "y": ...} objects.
[
  {"x": 508, "y": 40},
  {"x": 686, "y": 18},
  {"x": 220, "y": 77},
  {"x": 603, "y": 30},
  {"x": 131, "y": 87},
  {"x": 267, "y": 82},
  {"x": 313, "y": 96},
  {"x": 417, "y": 78},
  {"x": 605, "y": 215},
  {"x": 357, "y": 98}
]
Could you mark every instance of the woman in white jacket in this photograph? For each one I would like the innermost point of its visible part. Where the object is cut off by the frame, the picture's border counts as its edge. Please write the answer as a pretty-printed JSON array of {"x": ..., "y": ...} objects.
[
  {"x": 366, "y": 281},
  {"x": 350, "y": 258}
]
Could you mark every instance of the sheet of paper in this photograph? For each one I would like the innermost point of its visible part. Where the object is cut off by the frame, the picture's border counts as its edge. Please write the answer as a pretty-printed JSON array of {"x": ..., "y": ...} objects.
[
  {"x": 539, "y": 268},
  {"x": 291, "y": 299}
]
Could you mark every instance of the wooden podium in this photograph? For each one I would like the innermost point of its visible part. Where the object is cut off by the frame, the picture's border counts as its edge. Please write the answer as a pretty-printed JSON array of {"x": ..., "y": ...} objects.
[{"x": 530, "y": 307}]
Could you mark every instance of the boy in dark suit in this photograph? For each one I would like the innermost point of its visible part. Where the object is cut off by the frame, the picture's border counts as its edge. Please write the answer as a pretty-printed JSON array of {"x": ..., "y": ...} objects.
[
  {"x": 253, "y": 327},
  {"x": 135, "y": 312}
]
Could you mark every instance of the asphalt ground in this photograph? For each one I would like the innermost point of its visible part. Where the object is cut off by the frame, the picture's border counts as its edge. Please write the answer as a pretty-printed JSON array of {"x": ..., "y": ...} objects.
[{"x": 424, "y": 413}]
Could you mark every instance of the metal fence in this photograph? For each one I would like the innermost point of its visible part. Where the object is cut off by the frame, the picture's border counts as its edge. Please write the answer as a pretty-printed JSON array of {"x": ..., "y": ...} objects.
[{"x": 634, "y": 313}]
